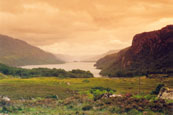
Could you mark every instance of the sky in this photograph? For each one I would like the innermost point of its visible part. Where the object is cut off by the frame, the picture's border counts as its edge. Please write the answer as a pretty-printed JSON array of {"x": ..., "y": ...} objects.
[{"x": 82, "y": 27}]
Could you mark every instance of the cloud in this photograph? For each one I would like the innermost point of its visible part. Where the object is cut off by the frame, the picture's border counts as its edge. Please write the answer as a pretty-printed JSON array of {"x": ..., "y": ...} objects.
[{"x": 82, "y": 26}]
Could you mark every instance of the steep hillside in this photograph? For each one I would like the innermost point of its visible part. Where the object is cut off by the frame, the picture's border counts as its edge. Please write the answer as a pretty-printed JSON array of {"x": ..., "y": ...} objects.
[
  {"x": 109, "y": 59},
  {"x": 15, "y": 52},
  {"x": 151, "y": 52}
]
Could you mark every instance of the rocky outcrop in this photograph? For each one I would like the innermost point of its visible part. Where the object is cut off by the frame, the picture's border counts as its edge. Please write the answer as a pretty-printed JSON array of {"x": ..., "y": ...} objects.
[
  {"x": 150, "y": 52},
  {"x": 154, "y": 42},
  {"x": 5, "y": 98},
  {"x": 149, "y": 47},
  {"x": 166, "y": 93}
]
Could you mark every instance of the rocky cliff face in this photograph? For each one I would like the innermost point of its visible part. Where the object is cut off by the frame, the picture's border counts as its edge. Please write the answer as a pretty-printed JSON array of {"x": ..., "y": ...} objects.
[
  {"x": 154, "y": 42},
  {"x": 153, "y": 46},
  {"x": 150, "y": 52}
]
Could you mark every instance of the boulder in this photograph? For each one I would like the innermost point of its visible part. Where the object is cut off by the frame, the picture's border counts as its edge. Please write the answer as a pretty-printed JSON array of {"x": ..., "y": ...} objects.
[
  {"x": 166, "y": 93},
  {"x": 68, "y": 83},
  {"x": 115, "y": 95},
  {"x": 5, "y": 98}
]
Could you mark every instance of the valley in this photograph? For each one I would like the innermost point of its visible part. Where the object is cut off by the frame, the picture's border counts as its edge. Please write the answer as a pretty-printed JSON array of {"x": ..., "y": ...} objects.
[{"x": 86, "y": 57}]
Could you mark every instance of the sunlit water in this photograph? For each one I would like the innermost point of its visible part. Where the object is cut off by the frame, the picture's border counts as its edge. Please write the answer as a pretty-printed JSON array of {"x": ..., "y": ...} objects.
[{"x": 87, "y": 66}]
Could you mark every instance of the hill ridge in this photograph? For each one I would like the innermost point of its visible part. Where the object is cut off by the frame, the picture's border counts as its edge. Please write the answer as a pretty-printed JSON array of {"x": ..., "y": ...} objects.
[
  {"x": 150, "y": 52},
  {"x": 16, "y": 52}
]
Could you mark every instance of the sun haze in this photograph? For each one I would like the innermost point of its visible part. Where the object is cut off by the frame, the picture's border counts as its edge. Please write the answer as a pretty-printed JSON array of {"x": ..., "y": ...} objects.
[{"x": 82, "y": 27}]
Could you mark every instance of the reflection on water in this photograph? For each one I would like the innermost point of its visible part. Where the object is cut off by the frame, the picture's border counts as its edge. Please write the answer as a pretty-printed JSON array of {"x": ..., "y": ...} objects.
[{"x": 87, "y": 66}]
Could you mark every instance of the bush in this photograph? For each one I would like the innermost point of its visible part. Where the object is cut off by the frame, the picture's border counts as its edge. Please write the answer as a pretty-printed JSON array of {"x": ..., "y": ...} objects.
[
  {"x": 150, "y": 97},
  {"x": 97, "y": 92},
  {"x": 137, "y": 96},
  {"x": 52, "y": 96},
  {"x": 81, "y": 73},
  {"x": 132, "y": 106},
  {"x": 87, "y": 107},
  {"x": 115, "y": 110},
  {"x": 11, "y": 109},
  {"x": 157, "y": 90},
  {"x": 101, "y": 90},
  {"x": 85, "y": 81},
  {"x": 134, "y": 112}
]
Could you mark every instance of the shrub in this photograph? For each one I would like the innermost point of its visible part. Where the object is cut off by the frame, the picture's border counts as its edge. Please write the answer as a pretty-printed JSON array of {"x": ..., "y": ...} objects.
[
  {"x": 137, "y": 96},
  {"x": 85, "y": 81},
  {"x": 97, "y": 92},
  {"x": 87, "y": 107},
  {"x": 157, "y": 90},
  {"x": 115, "y": 110},
  {"x": 52, "y": 96},
  {"x": 133, "y": 112},
  {"x": 150, "y": 97},
  {"x": 81, "y": 74},
  {"x": 128, "y": 95},
  {"x": 11, "y": 109}
]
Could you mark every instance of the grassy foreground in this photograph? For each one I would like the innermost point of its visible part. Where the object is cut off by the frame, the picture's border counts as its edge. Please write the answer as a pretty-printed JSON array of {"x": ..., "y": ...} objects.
[
  {"x": 41, "y": 87},
  {"x": 35, "y": 91}
]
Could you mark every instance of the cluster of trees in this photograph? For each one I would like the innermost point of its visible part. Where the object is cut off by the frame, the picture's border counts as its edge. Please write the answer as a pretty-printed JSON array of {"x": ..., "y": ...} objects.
[
  {"x": 43, "y": 72},
  {"x": 134, "y": 72},
  {"x": 121, "y": 73}
]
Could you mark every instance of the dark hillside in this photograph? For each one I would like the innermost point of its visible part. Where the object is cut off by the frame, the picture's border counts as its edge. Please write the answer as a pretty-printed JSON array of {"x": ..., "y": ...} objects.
[{"x": 151, "y": 52}]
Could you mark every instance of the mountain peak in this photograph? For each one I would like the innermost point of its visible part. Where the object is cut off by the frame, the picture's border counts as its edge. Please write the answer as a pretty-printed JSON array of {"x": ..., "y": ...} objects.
[{"x": 152, "y": 40}]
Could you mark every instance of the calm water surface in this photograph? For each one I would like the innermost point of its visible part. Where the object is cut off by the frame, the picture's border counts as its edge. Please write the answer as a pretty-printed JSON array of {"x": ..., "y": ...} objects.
[{"x": 87, "y": 66}]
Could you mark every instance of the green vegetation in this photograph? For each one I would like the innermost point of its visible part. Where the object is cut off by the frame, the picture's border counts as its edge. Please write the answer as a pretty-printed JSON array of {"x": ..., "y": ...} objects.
[
  {"x": 44, "y": 86},
  {"x": 2, "y": 76},
  {"x": 82, "y": 105},
  {"x": 98, "y": 92},
  {"x": 43, "y": 72},
  {"x": 77, "y": 92},
  {"x": 52, "y": 95},
  {"x": 157, "y": 90}
]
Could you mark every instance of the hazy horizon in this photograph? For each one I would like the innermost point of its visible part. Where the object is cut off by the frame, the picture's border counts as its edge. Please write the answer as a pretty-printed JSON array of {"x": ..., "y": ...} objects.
[{"x": 80, "y": 28}]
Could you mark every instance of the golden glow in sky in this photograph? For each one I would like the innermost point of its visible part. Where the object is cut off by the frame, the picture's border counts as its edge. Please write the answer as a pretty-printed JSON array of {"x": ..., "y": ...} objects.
[{"x": 82, "y": 27}]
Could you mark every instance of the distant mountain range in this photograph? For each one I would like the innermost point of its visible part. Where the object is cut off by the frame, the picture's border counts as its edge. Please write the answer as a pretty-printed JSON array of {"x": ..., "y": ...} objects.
[
  {"x": 83, "y": 58},
  {"x": 151, "y": 52},
  {"x": 97, "y": 57},
  {"x": 16, "y": 52},
  {"x": 65, "y": 58}
]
